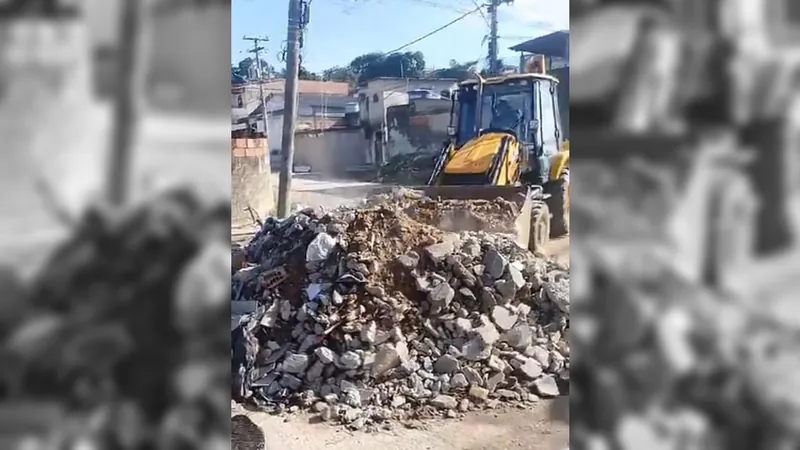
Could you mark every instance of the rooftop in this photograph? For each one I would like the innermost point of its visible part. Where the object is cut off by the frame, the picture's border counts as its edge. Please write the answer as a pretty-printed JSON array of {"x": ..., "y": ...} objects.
[
  {"x": 551, "y": 45},
  {"x": 303, "y": 87},
  {"x": 334, "y": 102}
]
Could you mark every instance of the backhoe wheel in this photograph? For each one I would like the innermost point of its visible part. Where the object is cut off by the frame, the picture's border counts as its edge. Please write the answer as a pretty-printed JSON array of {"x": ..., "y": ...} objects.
[
  {"x": 559, "y": 204},
  {"x": 540, "y": 228}
]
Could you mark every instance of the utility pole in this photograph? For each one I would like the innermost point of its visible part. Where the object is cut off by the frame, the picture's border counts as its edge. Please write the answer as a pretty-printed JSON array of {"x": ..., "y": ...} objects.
[
  {"x": 132, "y": 71},
  {"x": 494, "y": 59},
  {"x": 290, "y": 105},
  {"x": 257, "y": 52}
]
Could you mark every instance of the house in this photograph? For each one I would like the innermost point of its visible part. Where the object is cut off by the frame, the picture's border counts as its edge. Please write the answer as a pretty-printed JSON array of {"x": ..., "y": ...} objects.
[
  {"x": 314, "y": 112},
  {"x": 245, "y": 98},
  {"x": 368, "y": 89}
]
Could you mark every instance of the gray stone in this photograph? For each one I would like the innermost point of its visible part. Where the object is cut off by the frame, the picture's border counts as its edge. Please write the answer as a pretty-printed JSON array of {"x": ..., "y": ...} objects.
[
  {"x": 478, "y": 393},
  {"x": 541, "y": 355},
  {"x": 557, "y": 291},
  {"x": 290, "y": 381},
  {"x": 473, "y": 376},
  {"x": 398, "y": 401},
  {"x": 410, "y": 260},
  {"x": 358, "y": 424},
  {"x": 504, "y": 318},
  {"x": 493, "y": 381},
  {"x": 507, "y": 394},
  {"x": 462, "y": 325},
  {"x": 463, "y": 405},
  {"x": 506, "y": 289},
  {"x": 530, "y": 369},
  {"x": 388, "y": 357},
  {"x": 446, "y": 364},
  {"x": 294, "y": 363},
  {"x": 349, "y": 415},
  {"x": 438, "y": 252},
  {"x": 496, "y": 364},
  {"x": 459, "y": 381},
  {"x": 519, "y": 338},
  {"x": 487, "y": 331},
  {"x": 515, "y": 277},
  {"x": 319, "y": 407},
  {"x": 350, "y": 395},
  {"x": 467, "y": 293},
  {"x": 444, "y": 402},
  {"x": 325, "y": 355},
  {"x": 476, "y": 350},
  {"x": 495, "y": 263},
  {"x": 375, "y": 291},
  {"x": 369, "y": 333},
  {"x": 315, "y": 372},
  {"x": 546, "y": 386},
  {"x": 441, "y": 296},
  {"x": 349, "y": 361}
]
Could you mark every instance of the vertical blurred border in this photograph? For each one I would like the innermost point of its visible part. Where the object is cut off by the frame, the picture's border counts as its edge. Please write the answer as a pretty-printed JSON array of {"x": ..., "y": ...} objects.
[
  {"x": 685, "y": 217},
  {"x": 114, "y": 331}
]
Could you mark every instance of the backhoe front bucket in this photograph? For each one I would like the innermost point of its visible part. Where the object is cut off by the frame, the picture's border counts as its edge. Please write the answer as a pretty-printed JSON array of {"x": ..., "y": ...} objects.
[
  {"x": 522, "y": 214},
  {"x": 515, "y": 215}
]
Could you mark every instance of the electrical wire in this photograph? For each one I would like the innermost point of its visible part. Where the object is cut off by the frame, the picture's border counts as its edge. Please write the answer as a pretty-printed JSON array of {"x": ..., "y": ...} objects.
[
  {"x": 452, "y": 22},
  {"x": 485, "y": 19}
]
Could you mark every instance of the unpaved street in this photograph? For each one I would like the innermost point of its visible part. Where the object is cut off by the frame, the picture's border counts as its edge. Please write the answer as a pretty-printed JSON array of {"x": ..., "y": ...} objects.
[{"x": 543, "y": 428}]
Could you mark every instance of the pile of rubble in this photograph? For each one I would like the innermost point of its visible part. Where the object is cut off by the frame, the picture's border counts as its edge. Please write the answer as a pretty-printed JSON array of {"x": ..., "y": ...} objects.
[{"x": 366, "y": 315}]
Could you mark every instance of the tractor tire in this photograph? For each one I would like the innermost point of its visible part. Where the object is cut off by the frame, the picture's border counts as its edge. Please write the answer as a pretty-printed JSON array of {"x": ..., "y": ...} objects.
[
  {"x": 559, "y": 204},
  {"x": 540, "y": 228}
]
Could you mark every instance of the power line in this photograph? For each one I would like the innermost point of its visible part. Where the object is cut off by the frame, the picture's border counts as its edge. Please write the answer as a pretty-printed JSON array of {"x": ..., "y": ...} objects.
[
  {"x": 458, "y": 19},
  {"x": 485, "y": 19},
  {"x": 440, "y": 5}
]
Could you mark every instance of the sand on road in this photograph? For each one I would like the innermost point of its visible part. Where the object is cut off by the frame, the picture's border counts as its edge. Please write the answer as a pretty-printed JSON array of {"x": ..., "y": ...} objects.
[{"x": 543, "y": 427}]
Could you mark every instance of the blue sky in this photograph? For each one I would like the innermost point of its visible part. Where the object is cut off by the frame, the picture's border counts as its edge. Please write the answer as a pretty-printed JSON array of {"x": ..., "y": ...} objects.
[{"x": 340, "y": 30}]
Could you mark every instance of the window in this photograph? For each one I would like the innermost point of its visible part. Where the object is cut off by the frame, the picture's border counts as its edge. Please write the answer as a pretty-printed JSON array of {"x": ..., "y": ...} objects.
[
  {"x": 375, "y": 98},
  {"x": 547, "y": 124},
  {"x": 239, "y": 101}
]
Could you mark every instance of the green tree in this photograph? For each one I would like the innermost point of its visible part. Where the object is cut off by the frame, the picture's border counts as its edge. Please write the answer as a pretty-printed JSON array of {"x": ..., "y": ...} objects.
[
  {"x": 304, "y": 74},
  {"x": 459, "y": 71},
  {"x": 397, "y": 65},
  {"x": 243, "y": 69},
  {"x": 340, "y": 74}
]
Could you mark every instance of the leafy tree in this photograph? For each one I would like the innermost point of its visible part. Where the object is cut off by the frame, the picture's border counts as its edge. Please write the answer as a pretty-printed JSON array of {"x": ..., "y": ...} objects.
[
  {"x": 340, "y": 74},
  {"x": 243, "y": 69},
  {"x": 459, "y": 71},
  {"x": 304, "y": 74},
  {"x": 398, "y": 65}
]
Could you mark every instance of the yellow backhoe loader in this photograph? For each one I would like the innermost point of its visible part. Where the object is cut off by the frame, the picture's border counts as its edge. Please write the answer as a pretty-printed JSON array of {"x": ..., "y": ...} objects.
[{"x": 506, "y": 141}]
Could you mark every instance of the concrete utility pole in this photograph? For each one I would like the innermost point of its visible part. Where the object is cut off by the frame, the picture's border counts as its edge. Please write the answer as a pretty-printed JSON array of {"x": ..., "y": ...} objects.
[
  {"x": 257, "y": 52},
  {"x": 134, "y": 29},
  {"x": 494, "y": 59},
  {"x": 290, "y": 106}
]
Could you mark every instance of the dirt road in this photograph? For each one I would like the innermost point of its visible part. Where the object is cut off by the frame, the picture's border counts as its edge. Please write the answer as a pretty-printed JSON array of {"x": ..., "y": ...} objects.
[{"x": 545, "y": 427}]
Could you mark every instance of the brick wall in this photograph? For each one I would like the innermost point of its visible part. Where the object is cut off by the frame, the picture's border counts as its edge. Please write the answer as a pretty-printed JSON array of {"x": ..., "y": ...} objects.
[{"x": 250, "y": 179}]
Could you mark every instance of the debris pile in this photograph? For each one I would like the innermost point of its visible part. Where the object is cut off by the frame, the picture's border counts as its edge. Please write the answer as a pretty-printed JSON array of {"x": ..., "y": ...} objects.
[
  {"x": 366, "y": 315},
  {"x": 412, "y": 169},
  {"x": 120, "y": 329}
]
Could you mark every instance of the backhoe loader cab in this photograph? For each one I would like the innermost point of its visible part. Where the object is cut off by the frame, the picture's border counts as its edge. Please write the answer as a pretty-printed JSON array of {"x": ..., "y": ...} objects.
[
  {"x": 524, "y": 106},
  {"x": 505, "y": 134}
]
